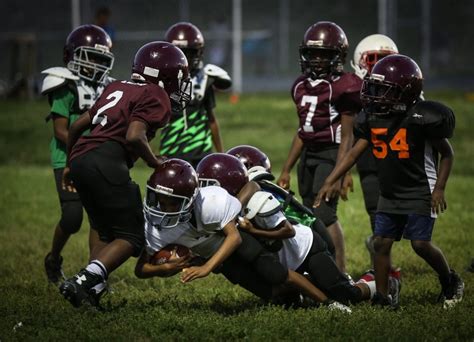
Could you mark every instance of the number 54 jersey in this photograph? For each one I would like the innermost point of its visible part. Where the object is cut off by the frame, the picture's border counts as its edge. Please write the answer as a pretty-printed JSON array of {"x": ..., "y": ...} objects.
[
  {"x": 406, "y": 160},
  {"x": 121, "y": 103}
]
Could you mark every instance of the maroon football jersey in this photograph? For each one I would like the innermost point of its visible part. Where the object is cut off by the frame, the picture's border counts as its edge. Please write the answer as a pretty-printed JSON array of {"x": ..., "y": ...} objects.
[
  {"x": 320, "y": 104},
  {"x": 121, "y": 103}
]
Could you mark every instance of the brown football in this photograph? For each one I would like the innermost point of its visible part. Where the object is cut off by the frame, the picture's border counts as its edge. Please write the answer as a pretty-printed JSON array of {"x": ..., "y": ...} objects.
[{"x": 163, "y": 255}]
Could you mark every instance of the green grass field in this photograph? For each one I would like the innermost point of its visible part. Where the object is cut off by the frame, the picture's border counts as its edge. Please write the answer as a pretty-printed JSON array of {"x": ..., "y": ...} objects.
[{"x": 212, "y": 308}]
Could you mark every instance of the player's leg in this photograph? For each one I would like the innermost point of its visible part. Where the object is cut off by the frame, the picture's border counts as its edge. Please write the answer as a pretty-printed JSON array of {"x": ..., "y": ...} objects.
[
  {"x": 326, "y": 275},
  {"x": 327, "y": 213},
  {"x": 388, "y": 228},
  {"x": 69, "y": 223},
  {"x": 419, "y": 230},
  {"x": 370, "y": 187}
]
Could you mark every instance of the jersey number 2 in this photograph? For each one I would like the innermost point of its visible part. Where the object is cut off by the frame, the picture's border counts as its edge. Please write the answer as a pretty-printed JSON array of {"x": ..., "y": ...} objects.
[
  {"x": 100, "y": 118},
  {"x": 398, "y": 143}
]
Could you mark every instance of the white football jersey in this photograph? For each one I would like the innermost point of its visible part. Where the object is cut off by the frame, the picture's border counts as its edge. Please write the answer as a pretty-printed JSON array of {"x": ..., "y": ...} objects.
[
  {"x": 295, "y": 249},
  {"x": 214, "y": 208}
]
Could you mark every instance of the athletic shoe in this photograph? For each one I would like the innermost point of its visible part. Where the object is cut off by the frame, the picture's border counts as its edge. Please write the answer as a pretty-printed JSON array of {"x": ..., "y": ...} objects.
[
  {"x": 79, "y": 288},
  {"x": 381, "y": 300},
  {"x": 452, "y": 293},
  {"x": 53, "y": 268},
  {"x": 336, "y": 306},
  {"x": 395, "y": 286}
]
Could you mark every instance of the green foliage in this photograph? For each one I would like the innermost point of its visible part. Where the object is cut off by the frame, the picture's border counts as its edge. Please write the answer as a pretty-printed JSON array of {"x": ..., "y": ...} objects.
[{"x": 212, "y": 308}]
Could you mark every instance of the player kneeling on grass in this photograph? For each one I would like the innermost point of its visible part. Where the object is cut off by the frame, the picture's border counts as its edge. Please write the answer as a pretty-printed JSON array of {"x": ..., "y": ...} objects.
[
  {"x": 121, "y": 123},
  {"x": 204, "y": 220},
  {"x": 405, "y": 135}
]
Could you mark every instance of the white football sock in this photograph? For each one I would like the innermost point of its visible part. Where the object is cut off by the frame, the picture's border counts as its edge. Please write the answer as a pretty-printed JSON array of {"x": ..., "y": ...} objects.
[{"x": 96, "y": 267}]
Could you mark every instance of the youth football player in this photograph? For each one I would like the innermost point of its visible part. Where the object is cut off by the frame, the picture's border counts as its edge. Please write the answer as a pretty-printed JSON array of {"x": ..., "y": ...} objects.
[
  {"x": 405, "y": 136},
  {"x": 71, "y": 91}
]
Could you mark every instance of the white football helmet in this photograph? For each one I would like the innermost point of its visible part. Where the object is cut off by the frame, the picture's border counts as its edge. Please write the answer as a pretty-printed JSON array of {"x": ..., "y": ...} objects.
[{"x": 369, "y": 50}]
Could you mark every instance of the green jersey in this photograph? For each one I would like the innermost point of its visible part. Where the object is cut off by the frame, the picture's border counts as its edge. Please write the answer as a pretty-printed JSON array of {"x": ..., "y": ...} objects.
[{"x": 63, "y": 104}]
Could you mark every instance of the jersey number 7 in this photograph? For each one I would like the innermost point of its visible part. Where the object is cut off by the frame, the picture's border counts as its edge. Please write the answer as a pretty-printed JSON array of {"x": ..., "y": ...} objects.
[{"x": 398, "y": 143}]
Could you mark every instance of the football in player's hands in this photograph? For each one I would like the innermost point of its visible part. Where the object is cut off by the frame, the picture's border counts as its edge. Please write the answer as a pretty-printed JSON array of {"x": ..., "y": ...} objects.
[{"x": 163, "y": 255}]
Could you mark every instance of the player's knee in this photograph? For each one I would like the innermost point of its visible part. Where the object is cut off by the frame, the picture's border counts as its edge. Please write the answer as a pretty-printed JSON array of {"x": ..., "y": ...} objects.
[
  {"x": 326, "y": 214},
  {"x": 381, "y": 245},
  {"x": 71, "y": 217},
  {"x": 420, "y": 247}
]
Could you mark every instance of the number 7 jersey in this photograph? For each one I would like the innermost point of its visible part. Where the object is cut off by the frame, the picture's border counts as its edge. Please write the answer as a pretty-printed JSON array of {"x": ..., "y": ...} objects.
[
  {"x": 320, "y": 104},
  {"x": 121, "y": 103},
  {"x": 406, "y": 160}
]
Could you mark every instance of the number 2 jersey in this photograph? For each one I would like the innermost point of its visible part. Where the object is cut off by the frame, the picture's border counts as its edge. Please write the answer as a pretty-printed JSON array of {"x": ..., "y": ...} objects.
[
  {"x": 320, "y": 104},
  {"x": 121, "y": 103},
  {"x": 406, "y": 160}
]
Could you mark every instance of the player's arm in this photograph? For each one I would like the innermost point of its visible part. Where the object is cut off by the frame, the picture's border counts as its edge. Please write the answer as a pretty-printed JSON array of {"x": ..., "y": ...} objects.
[
  {"x": 284, "y": 230},
  {"x": 293, "y": 155},
  {"x": 231, "y": 242},
  {"x": 215, "y": 131},
  {"x": 74, "y": 133},
  {"x": 438, "y": 202},
  {"x": 76, "y": 130},
  {"x": 60, "y": 127},
  {"x": 327, "y": 191},
  {"x": 137, "y": 140},
  {"x": 145, "y": 269},
  {"x": 246, "y": 193},
  {"x": 347, "y": 139}
]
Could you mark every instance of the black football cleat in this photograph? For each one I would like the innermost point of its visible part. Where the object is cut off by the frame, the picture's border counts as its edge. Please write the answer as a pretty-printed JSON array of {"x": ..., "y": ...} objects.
[
  {"x": 452, "y": 291},
  {"x": 79, "y": 288},
  {"x": 53, "y": 269}
]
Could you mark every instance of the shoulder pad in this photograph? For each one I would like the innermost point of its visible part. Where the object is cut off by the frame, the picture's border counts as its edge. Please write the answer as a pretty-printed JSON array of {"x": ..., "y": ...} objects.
[
  {"x": 438, "y": 120},
  {"x": 55, "y": 78},
  {"x": 262, "y": 203},
  {"x": 221, "y": 78}
]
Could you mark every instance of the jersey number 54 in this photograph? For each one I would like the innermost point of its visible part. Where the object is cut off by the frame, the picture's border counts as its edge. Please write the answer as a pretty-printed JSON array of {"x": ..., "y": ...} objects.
[{"x": 398, "y": 143}]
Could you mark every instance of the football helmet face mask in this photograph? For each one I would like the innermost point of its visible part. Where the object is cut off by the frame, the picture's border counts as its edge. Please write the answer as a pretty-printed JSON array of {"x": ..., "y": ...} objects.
[
  {"x": 394, "y": 85},
  {"x": 222, "y": 170},
  {"x": 369, "y": 51},
  {"x": 87, "y": 53},
  {"x": 323, "y": 50},
  {"x": 190, "y": 40},
  {"x": 164, "y": 64},
  {"x": 170, "y": 194}
]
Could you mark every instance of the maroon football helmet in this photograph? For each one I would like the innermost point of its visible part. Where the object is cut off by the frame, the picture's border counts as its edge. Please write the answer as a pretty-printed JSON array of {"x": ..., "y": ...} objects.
[
  {"x": 223, "y": 170},
  {"x": 323, "y": 50},
  {"x": 251, "y": 156},
  {"x": 189, "y": 39},
  {"x": 170, "y": 193},
  {"x": 87, "y": 53},
  {"x": 164, "y": 64},
  {"x": 394, "y": 85}
]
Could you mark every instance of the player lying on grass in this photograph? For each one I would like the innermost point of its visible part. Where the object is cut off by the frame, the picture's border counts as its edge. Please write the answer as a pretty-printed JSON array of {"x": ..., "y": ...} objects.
[
  {"x": 405, "y": 136},
  {"x": 204, "y": 220},
  {"x": 283, "y": 224}
]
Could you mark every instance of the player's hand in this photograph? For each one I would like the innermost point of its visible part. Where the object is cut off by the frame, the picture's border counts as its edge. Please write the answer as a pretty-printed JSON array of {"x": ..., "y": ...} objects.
[
  {"x": 284, "y": 180},
  {"x": 176, "y": 263},
  {"x": 326, "y": 193},
  {"x": 66, "y": 181},
  {"x": 347, "y": 185},
  {"x": 245, "y": 224},
  {"x": 438, "y": 203},
  {"x": 194, "y": 272}
]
